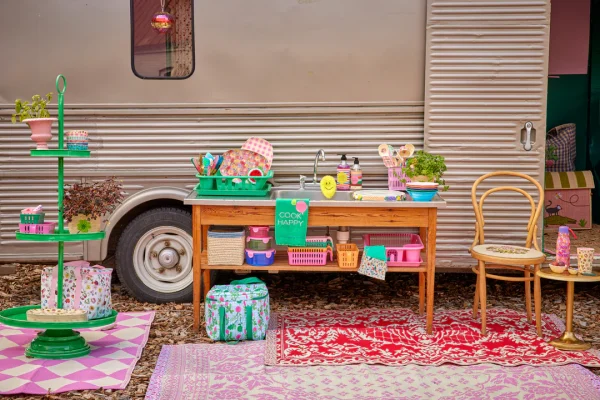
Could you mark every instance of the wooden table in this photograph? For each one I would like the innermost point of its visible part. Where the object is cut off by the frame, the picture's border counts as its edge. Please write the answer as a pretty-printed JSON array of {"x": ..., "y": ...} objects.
[
  {"x": 568, "y": 340},
  {"x": 207, "y": 211}
]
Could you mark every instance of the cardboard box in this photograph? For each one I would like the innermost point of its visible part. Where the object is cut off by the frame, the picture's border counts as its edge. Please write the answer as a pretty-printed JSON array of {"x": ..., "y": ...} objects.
[{"x": 568, "y": 200}]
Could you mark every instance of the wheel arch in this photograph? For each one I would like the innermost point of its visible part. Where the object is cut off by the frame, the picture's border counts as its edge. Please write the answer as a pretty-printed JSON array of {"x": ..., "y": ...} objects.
[{"x": 132, "y": 207}]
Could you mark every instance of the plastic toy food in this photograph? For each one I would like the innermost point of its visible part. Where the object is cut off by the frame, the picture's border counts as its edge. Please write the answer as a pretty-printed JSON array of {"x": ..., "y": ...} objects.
[{"x": 56, "y": 315}]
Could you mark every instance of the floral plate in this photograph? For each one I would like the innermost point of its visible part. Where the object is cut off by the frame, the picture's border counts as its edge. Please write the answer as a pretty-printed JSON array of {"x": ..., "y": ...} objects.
[{"x": 239, "y": 162}]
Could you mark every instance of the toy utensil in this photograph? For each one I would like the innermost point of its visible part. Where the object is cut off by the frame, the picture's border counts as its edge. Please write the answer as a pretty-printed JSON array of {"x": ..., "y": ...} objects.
[
  {"x": 387, "y": 154},
  {"x": 218, "y": 162},
  {"x": 196, "y": 165}
]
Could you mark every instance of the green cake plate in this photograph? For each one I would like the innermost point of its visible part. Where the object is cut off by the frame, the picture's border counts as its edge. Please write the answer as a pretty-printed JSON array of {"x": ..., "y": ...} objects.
[{"x": 59, "y": 340}]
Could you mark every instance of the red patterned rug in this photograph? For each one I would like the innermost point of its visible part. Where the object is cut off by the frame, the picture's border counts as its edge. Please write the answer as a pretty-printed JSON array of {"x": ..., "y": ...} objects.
[{"x": 398, "y": 337}]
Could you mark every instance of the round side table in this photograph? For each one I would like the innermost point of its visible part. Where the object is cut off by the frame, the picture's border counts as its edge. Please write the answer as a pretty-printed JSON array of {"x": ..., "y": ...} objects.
[{"x": 568, "y": 340}]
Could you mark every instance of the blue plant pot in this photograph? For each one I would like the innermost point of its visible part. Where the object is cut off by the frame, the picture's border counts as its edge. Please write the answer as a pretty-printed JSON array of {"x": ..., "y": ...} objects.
[{"x": 422, "y": 195}]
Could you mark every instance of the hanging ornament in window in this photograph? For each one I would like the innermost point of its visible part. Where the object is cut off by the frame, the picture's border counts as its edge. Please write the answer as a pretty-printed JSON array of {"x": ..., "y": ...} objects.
[{"x": 162, "y": 21}]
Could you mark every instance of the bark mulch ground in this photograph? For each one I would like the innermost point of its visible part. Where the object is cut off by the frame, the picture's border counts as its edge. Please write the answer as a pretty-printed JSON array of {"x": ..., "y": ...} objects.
[{"x": 173, "y": 322}]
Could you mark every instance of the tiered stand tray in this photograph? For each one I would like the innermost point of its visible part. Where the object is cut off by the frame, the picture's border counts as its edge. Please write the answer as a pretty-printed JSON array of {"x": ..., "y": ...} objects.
[{"x": 59, "y": 340}]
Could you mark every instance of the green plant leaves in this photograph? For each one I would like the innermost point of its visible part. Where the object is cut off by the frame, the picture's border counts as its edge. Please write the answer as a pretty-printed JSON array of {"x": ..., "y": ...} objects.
[
  {"x": 37, "y": 108},
  {"x": 426, "y": 164}
]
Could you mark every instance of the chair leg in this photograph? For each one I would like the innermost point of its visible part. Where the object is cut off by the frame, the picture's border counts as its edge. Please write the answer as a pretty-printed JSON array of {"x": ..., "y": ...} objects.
[
  {"x": 537, "y": 294},
  {"x": 476, "y": 299},
  {"x": 482, "y": 296},
  {"x": 528, "y": 293}
]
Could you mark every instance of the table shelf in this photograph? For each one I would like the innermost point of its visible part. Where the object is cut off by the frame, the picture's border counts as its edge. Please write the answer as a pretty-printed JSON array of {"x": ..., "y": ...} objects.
[
  {"x": 281, "y": 264},
  {"x": 60, "y": 237},
  {"x": 60, "y": 153}
]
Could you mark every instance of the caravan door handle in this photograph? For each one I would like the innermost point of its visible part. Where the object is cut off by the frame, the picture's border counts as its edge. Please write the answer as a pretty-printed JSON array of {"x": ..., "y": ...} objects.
[{"x": 527, "y": 144}]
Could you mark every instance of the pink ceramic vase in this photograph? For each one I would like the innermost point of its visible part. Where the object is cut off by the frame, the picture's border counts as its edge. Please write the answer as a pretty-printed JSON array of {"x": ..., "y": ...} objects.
[{"x": 41, "y": 131}]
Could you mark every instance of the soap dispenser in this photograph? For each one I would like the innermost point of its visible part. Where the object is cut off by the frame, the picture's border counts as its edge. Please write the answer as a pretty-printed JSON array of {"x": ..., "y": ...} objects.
[
  {"x": 356, "y": 176},
  {"x": 343, "y": 175}
]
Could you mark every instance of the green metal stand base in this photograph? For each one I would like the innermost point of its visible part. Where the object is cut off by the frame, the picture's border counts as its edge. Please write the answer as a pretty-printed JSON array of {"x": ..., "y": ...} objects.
[{"x": 58, "y": 344}]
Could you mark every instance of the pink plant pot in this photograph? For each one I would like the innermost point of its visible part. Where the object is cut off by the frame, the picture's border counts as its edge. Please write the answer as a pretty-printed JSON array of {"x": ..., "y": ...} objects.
[{"x": 41, "y": 131}]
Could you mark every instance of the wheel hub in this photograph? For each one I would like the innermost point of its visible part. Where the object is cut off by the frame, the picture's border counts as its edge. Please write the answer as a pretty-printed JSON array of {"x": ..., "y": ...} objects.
[
  {"x": 163, "y": 259},
  {"x": 168, "y": 257}
]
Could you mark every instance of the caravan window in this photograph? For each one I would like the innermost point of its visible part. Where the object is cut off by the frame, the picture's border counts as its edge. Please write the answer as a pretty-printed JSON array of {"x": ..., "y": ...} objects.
[{"x": 162, "y": 39}]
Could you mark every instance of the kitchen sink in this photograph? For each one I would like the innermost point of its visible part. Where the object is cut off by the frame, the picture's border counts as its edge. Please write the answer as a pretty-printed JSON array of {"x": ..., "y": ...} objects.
[{"x": 314, "y": 195}]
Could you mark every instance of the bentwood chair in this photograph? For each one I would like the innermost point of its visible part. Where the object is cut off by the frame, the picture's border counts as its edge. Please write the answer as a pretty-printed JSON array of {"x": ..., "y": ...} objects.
[{"x": 508, "y": 257}]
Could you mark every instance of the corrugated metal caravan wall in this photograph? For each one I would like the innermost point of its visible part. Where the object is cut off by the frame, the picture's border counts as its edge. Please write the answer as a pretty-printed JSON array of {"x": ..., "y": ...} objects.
[
  {"x": 485, "y": 77},
  {"x": 150, "y": 147}
]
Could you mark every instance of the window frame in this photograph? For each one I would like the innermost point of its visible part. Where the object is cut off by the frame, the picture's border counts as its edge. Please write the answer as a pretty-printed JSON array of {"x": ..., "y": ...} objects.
[{"x": 132, "y": 45}]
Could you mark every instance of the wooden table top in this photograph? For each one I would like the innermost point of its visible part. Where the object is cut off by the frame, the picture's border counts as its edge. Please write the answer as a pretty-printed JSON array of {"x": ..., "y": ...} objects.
[{"x": 565, "y": 276}]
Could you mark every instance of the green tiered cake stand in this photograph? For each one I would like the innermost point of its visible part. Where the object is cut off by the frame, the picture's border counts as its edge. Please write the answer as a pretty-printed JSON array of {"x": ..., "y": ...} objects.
[{"x": 59, "y": 340}]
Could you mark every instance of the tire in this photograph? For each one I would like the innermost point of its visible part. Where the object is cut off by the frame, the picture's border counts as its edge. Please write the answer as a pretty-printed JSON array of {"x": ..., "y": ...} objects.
[{"x": 154, "y": 256}]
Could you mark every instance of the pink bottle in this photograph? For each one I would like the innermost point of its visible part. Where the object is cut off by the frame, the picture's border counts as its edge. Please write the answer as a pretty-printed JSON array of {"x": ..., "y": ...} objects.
[{"x": 563, "y": 246}]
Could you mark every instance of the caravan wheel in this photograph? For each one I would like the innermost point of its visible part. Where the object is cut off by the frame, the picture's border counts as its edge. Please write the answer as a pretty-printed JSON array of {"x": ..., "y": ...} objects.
[{"x": 154, "y": 256}]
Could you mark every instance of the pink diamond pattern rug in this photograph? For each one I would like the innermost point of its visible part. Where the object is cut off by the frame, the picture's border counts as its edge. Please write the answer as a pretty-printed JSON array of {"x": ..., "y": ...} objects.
[
  {"x": 223, "y": 371},
  {"x": 115, "y": 352}
]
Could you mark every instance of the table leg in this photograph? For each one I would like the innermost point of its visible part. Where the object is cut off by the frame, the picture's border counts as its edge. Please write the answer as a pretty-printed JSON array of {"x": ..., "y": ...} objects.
[
  {"x": 421, "y": 292},
  {"x": 431, "y": 239},
  {"x": 568, "y": 340},
  {"x": 422, "y": 275},
  {"x": 197, "y": 249}
]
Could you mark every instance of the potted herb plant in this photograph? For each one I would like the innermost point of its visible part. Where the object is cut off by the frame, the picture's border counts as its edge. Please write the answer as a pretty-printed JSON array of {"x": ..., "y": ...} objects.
[
  {"x": 426, "y": 167},
  {"x": 87, "y": 203},
  {"x": 37, "y": 117}
]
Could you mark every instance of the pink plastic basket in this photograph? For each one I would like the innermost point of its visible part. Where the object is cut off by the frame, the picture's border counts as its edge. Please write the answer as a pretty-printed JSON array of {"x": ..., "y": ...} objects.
[
  {"x": 395, "y": 177},
  {"x": 45, "y": 228},
  {"x": 402, "y": 249},
  {"x": 309, "y": 255}
]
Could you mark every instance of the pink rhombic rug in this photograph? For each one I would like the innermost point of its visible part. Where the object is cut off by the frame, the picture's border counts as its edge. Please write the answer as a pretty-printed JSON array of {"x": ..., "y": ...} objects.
[
  {"x": 115, "y": 351},
  {"x": 227, "y": 372}
]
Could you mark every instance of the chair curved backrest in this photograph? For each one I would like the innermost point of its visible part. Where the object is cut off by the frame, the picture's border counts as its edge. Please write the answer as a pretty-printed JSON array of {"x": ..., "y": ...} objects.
[{"x": 536, "y": 210}]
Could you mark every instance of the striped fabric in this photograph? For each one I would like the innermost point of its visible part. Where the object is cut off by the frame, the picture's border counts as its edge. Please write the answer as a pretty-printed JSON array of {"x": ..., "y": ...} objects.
[
  {"x": 563, "y": 138},
  {"x": 570, "y": 180}
]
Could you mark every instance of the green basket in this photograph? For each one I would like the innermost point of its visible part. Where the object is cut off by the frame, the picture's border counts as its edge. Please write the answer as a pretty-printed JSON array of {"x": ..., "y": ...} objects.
[
  {"x": 218, "y": 185},
  {"x": 32, "y": 218}
]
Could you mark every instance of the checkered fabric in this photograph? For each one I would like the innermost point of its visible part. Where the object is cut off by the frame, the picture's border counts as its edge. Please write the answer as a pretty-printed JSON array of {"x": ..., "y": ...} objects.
[
  {"x": 115, "y": 351},
  {"x": 260, "y": 146},
  {"x": 563, "y": 138}
]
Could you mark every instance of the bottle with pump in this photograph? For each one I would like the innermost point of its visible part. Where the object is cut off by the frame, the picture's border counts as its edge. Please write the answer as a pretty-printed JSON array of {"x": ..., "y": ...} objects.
[
  {"x": 343, "y": 175},
  {"x": 356, "y": 176}
]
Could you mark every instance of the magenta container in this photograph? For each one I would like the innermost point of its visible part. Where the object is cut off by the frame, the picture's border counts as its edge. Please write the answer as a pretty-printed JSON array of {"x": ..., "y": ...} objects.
[
  {"x": 259, "y": 231},
  {"x": 45, "y": 228},
  {"x": 395, "y": 177},
  {"x": 402, "y": 249},
  {"x": 309, "y": 255}
]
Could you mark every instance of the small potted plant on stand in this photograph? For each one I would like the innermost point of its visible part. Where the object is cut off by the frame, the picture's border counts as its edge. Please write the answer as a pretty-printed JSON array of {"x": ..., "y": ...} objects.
[
  {"x": 425, "y": 167},
  {"x": 87, "y": 203},
  {"x": 37, "y": 117}
]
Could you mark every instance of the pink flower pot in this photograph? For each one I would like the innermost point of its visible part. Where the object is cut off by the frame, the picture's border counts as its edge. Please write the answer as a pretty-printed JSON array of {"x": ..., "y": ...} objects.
[{"x": 41, "y": 131}]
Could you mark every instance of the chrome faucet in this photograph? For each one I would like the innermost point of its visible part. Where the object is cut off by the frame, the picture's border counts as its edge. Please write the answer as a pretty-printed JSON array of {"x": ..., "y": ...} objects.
[
  {"x": 320, "y": 155},
  {"x": 302, "y": 182}
]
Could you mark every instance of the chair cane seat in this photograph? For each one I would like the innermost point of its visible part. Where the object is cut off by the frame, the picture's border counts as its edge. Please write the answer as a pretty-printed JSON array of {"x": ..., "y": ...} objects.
[{"x": 506, "y": 252}]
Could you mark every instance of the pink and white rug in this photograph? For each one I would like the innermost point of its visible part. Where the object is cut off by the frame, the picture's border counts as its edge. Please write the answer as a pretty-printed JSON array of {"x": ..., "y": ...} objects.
[
  {"x": 115, "y": 351},
  {"x": 222, "y": 371},
  {"x": 398, "y": 337}
]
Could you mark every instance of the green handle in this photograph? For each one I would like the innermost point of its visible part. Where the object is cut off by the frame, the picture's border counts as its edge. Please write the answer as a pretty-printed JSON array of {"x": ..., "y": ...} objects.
[
  {"x": 222, "y": 323},
  {"x": 247, "y": 281}
]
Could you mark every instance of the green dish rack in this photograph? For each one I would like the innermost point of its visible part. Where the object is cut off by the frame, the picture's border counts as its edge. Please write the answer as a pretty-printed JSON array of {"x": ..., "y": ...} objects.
[{"x": 219, "y": 185}]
